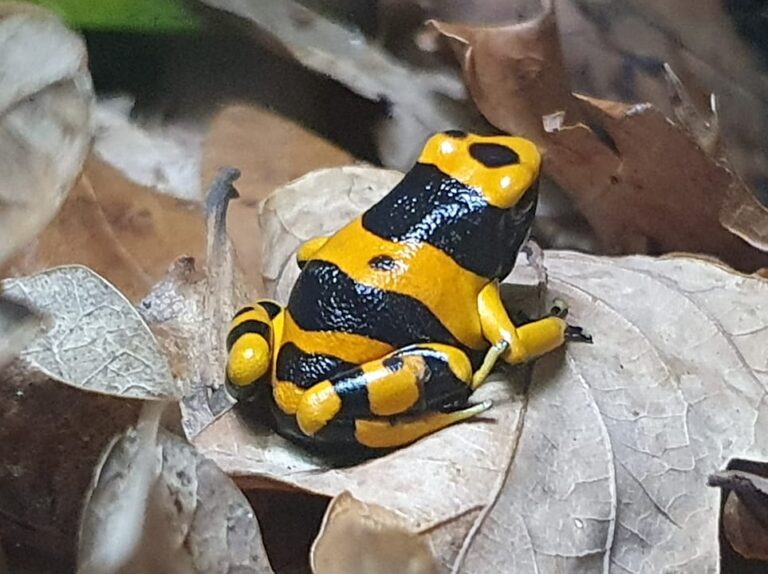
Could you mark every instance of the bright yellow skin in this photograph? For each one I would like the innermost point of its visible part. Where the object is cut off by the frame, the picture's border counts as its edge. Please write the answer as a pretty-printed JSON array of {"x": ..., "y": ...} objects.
[{"x": 394, "y": 382}]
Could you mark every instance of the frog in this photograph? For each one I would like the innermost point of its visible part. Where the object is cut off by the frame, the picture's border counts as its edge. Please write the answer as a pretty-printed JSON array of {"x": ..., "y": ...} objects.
[{"x": 396, "y": 319}]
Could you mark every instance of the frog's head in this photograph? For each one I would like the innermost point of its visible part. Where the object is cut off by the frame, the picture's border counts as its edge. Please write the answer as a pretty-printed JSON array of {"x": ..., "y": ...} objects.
[{"x": 501, "y": 168}]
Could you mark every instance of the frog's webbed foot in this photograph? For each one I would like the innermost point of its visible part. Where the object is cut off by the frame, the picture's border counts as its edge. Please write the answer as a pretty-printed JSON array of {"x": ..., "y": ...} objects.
[{"x": 573, "y": 333}]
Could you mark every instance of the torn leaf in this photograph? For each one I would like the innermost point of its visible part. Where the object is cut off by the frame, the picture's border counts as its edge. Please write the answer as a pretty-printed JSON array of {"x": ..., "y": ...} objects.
[{"x": 190, "y": 311}]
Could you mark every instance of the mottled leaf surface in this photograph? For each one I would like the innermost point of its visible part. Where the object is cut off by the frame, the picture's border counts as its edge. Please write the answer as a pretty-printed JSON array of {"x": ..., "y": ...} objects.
[
  {"x": 97, "y": 340},
  {"x": 158, "y": 506},
  {"x": 601, "y": 463}
]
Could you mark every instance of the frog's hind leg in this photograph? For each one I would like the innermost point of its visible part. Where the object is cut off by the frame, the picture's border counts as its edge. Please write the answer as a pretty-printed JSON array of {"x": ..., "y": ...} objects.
[
  {"x": 252, "y": 335},
  {"x": 392, "y": 401}
]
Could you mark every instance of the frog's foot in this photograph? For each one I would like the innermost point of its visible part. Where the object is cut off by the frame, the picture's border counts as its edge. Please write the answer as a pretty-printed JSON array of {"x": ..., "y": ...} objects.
[
  {"x": 576, "y": 334},
  {"x": 559, "y": 309},
  {"x": 572, "y": 333}
]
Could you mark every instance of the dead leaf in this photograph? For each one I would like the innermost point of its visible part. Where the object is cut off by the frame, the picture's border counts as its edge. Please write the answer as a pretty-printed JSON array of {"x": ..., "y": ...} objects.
[
  {"x": 97, "y": 340},
  {"x": 743, "y": 215},
  {"x": 642, "y": 183},
  {"x": 156, "y": 505},
  {"x": 745, "y": 512},
  {"x": 46, "y": 99},
  {"x": 128, "y": 234},
  {"x": 51, "y": 436},
  {"x": 269, "y": 151},
  {"x": 359, "y": 538},
  {"x": 602, "y": 463},
  {"x": 616, "y": 50},
  {"x": 165, "y": 157},
  {"x": 18, "y": 325},
  {"x": 421, "y": 102},
  {"x": 189, "y": 311},
  {"x": 288, "y": 217}
]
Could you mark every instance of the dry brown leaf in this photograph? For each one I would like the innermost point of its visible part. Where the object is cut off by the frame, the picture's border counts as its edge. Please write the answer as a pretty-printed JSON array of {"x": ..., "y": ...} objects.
[
  {"x": 269, "y": 151},
  {"x": 602, "y": 464},
  {"x": 744, "y": 513},
  {"x": 359, "y": 538},
  {"x": 126, "y": 233},
  {"x": 642, "y": 183},
  {"x": 421, "y": 102},
  {"x": 189, "y": 311},
  {"x": 616, "y": 50},
  {"x": 46, "y": 100},
  {"x": 156, "y": 505}
]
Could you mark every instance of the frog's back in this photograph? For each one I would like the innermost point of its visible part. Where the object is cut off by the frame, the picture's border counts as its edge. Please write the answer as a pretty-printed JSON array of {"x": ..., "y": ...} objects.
[{"x": 407, "y": 271}]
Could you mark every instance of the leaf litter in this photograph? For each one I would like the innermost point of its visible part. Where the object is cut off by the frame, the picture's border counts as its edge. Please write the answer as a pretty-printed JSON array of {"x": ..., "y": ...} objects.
[
  {"x": 600, "y": 462},
  {"x": 156, "y": 505},
  {"x": 577, "y": 465},
  {"x": 45, "y": 120},
  {"x": 642, "y": 182}
]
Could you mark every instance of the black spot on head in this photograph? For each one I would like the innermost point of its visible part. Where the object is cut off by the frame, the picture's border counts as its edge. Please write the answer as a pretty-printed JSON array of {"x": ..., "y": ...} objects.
[
  {"x": 456, "y": 134},
  {"x": 383, "y": 263},
  {"x": 493, "y": 155}
]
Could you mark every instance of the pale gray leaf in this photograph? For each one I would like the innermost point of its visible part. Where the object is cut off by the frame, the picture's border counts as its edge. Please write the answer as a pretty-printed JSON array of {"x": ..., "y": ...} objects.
[
  {"x": 97, "y": 340},
  {"x": 46, "y": 99}
]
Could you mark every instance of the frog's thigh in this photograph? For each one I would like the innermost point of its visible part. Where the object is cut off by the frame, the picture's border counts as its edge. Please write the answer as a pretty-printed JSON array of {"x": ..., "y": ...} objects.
[{"x": 414, "y": 380}]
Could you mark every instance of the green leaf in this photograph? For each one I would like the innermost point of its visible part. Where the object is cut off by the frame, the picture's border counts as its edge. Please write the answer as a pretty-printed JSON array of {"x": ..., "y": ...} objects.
[{"x": 126, "y": 15}]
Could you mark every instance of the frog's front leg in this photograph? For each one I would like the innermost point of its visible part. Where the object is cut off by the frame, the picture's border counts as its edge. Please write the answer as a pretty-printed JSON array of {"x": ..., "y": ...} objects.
[
  {"x": 253, "y": 334},
  {"x": 510, "y": 343},
  {"x": 392, "y": 401}
]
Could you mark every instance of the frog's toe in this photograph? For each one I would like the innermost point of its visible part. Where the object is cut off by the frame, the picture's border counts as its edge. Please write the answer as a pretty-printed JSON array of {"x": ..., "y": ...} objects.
[
  {"x": 577, "y": 335},
  {"x": 559, "y": 309}
]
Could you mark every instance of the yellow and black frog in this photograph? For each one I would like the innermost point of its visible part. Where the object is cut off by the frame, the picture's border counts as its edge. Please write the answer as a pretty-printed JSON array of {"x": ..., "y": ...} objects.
[{"x": 396, "y": 318}]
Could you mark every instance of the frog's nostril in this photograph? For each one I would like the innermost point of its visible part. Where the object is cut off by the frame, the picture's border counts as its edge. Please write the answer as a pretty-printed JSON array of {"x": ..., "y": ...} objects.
[{"x": 493, "y": 154}]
